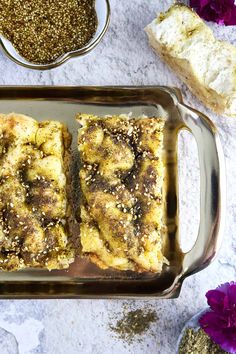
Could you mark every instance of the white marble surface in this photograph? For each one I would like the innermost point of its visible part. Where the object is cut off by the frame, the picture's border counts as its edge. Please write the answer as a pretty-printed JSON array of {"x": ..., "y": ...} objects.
[{"x": 72, "y": 327}]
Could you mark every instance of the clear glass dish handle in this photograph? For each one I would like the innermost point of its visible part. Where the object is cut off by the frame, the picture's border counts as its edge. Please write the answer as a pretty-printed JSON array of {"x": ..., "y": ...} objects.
[{"x": 212, "y": 190}]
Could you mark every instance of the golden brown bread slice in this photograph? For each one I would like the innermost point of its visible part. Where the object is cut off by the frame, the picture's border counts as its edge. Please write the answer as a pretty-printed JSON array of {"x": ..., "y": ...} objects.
[
  {"x": 205, "y": 64},
  {"x": 33, "y": 201},
  {"x": 121, "y": 181}
]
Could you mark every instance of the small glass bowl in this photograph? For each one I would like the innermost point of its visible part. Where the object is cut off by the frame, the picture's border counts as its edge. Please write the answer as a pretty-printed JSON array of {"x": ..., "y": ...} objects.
[
  {"x": 102, "y": 8},
  {"x": 192, "y": 323}
]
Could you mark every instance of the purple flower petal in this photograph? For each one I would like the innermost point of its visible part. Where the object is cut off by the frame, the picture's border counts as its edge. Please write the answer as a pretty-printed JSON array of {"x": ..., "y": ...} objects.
[
  {"x": 224, "y": 288},
  {"x": 215, "y": 300},
  {"x": 220, "y": 322},
  {"x": 219, "y": 11},
  {"x": 217, "y": 329},
  {"x": 232, "y": 20},
  {"x": 212, "y": 321},
  {"x": 232, "y": 294},
  {"x": 204, "y": 2},
  {"x": 195, "y": 3}
]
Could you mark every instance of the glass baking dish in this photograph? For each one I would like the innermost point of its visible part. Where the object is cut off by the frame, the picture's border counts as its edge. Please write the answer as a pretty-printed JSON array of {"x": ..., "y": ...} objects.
[{"x": 83, "y": 279}]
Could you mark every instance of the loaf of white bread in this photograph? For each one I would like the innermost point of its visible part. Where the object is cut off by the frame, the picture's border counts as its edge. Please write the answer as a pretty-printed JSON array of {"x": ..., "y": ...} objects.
[{"x": 205, "y": 64}]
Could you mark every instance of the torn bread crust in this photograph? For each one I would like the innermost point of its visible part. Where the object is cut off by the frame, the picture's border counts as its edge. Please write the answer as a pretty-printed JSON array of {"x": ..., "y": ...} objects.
[
  {"x": 33, "y": 202},
  {"x": 205, "y": 64},
  {"x": 121, "y": 179}
]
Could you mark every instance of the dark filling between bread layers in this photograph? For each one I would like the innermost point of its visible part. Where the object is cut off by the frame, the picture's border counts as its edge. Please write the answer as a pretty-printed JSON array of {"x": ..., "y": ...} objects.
[
  {"x": 32, "y": 206},
  {"x": 125, "y": 173}
]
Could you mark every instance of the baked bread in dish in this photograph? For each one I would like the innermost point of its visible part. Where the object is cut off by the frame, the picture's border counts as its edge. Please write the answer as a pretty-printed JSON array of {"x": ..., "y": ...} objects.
[
  {"x": 205, "y": 64},
  {"x": 33, "y": 200},
  {"x": 121, "y": 179}
]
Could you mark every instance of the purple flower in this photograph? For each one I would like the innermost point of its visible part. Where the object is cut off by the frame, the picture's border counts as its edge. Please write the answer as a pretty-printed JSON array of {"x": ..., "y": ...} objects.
[
  {"x": 222, "y": 12},
  {"x": 220, "y": 321}
]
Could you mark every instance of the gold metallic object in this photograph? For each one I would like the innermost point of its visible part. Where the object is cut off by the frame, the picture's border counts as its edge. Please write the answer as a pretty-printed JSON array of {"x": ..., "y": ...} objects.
[
  {"x": 102, "y": 8},
  {"x": 84, "y": 280}
]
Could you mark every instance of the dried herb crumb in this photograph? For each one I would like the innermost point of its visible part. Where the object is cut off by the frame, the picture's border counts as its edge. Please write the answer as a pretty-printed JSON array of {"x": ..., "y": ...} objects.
[
  {"x": 133, "y": 323},
  {"x": 198, "y": 342}
]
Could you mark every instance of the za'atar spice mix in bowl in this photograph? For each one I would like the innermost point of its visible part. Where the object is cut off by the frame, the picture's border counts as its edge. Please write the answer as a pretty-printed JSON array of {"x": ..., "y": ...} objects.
[
  {"x": 214, "y": 329},
  {"x": 44, "y": 34}
]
